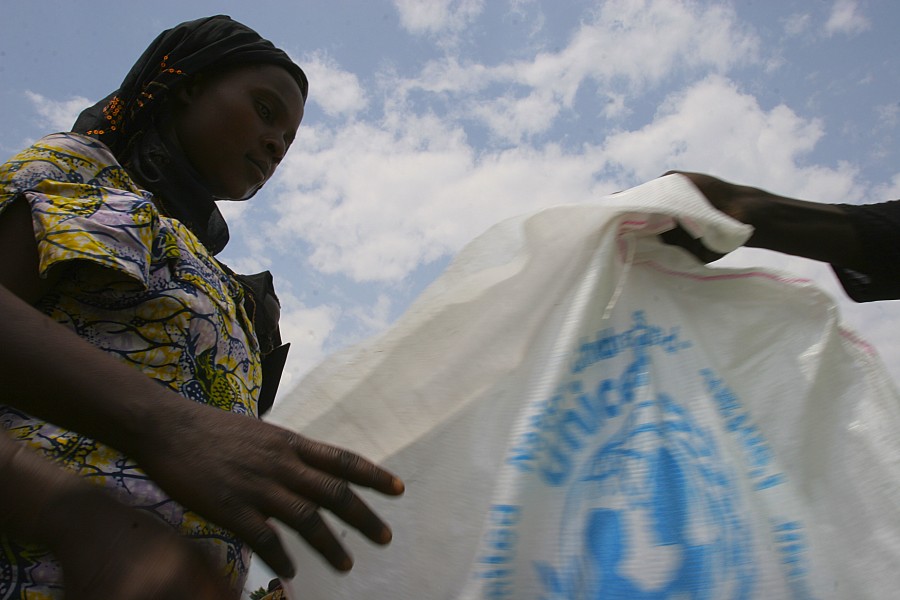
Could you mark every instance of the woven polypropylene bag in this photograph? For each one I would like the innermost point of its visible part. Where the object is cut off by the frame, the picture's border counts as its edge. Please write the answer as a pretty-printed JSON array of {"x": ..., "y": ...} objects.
[{"x": 580, "y": 411}]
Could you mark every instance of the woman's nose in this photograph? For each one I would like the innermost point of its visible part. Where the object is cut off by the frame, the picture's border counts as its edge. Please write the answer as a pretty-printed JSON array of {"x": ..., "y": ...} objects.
[{"x": 275, "y": 146}]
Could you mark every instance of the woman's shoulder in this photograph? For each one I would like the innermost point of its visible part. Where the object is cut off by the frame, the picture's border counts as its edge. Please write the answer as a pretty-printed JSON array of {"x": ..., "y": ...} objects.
[
  {"x": 73, "y": 149},
  {"x": 66, "y": 158}
]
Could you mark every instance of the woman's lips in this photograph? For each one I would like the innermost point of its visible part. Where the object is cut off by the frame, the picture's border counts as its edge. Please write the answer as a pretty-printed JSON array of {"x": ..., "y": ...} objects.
[{"x": 261, "y": 167}]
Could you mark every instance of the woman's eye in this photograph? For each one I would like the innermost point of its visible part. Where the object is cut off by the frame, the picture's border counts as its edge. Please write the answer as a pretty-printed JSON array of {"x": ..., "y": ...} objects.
[{"x": 264, "y": 111}]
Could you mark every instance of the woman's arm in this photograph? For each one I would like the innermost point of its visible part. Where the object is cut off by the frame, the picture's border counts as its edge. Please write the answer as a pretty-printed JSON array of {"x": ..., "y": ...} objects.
[{"x": 235, "y": 471}]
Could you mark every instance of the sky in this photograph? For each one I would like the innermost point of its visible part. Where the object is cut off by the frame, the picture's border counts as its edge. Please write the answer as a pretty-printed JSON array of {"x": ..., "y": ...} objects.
[{"x": 428, "y": 121}]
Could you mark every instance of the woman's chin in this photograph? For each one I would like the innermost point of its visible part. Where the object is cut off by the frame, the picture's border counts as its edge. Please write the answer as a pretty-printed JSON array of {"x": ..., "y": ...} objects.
[{"x": 237, "y": 196}]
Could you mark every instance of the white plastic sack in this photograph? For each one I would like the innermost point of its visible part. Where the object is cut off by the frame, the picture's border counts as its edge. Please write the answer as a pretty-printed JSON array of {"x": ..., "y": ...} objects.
[{"x": 580, "y": 411}]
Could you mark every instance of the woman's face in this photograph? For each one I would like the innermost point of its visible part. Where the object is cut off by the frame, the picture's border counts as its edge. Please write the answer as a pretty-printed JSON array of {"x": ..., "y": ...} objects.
[{"x": 235, "y": 127}]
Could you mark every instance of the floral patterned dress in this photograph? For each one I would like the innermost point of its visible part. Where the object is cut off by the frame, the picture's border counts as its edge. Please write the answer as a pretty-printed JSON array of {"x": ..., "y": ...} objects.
[{"x": 141, "y": 287}]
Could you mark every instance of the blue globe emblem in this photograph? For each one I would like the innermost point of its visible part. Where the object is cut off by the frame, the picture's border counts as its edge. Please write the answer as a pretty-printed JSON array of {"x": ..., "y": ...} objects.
[{"x": 653, "y": 513}]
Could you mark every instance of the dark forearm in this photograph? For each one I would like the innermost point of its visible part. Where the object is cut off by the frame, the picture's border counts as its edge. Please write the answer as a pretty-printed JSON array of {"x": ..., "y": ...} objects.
[
  {"x": 53, "y": 374},
  {"x": 809, "y": 229},
  {"x": 818, "y": 231}
]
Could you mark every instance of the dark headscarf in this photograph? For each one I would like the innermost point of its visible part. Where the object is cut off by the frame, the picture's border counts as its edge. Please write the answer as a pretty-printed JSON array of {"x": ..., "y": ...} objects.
[{"x": 127, "y": 120}]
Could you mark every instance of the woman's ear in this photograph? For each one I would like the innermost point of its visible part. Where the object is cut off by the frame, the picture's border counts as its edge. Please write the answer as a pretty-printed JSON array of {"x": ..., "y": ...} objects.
[
  {"x": 184, "y": 94},
  {"x": 189, "y": 89}
]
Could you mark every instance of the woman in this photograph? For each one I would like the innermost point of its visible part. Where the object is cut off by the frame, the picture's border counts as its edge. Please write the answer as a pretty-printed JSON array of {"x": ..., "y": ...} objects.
[{"x": 117, "y": 312}]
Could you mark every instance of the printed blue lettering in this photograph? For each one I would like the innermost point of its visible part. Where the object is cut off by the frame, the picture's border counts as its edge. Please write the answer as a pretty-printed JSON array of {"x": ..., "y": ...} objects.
[
  {"x": 757, "y": 452},
  {"x": 571, "y": 420},
  {"x": 502, "y": 539},
  {"x": 500, "y": 546},
  {"x": 770, "y": 481},
  {"x": 608, "y": 344},
  {"x": 497, "y": 590},
  {"x": 604, "y": 389},
  {"x": 505, "y": 514},
  {"x": 635, "y": 376},
  {"x": 560, "y": 425},
  {"x": 556, "y": 472},
  {"x": 792, "y": 547}
]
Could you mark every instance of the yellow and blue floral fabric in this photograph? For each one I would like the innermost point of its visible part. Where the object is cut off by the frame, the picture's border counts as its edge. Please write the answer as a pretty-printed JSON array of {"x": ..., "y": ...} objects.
[{"x": 141, "y": 287}]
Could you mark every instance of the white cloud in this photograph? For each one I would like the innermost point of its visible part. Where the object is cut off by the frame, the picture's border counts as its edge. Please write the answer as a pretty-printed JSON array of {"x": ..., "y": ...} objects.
[
  {"x": 845, "y": 18},
  {"x": 307, "y": 329},
  {"x": 234, "y": 210},
  {"x": 797, "y": 24},
  {"x": 437, "y": 16},
  {"x": 255, "y": 262},
  {"x": 374, "y": 318},
  {"x": 512, "y": 118},
  {"x": 712, "y": 126},
  {"x": 888, "y": 115},
  {"x": 335, "y": 91},
  {"x": 57, "y": 114},
  {"x": 888, "y": 191},
  {"x": 615, "y": 106},
  {"x": 449, "y": 75},
  {"x": 517, "y": 7},
  {"x": 377, "y": 203},
  {"x": 358, "y": 198},
  {"x": 627, "y": 47},
  {"x": 528, "y": 11},
  {"x": 643, "y": 42}
]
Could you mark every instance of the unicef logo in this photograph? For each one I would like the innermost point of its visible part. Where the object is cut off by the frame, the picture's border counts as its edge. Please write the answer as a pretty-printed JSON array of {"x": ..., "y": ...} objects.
[
  {"x": 647, "y": 495},
  {"x": 652, "y": 514}
]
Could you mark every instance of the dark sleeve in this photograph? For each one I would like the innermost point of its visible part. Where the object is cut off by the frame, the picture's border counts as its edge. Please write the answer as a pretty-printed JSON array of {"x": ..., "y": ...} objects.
[
  {"x": 265, "y": 310},
  {"x": 878, "y": 227}
]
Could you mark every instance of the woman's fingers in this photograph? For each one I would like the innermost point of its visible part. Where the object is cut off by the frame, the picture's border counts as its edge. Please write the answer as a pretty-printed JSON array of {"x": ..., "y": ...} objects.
[
  {"x": 297, "y": 501},
  {"x": 263, "y": 539},
  {"x": 346, "y": 465},
  {"x": 303, "y": 516},
  {"x": 307, "y": 521},
  {"x": 246, "y": 472},
  {"x": 312, "y": 488}
]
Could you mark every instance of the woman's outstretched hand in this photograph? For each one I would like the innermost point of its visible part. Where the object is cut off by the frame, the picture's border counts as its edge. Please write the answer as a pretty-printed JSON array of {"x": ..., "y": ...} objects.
[{"x": 239, "y": 473}]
